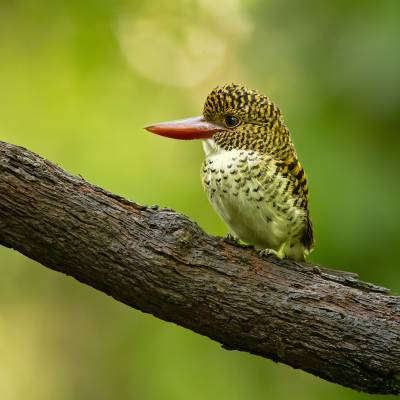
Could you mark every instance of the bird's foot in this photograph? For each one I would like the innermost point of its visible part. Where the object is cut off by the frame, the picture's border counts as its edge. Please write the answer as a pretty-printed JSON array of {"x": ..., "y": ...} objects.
[
  {"x": 271, "y": 252},
  {"x": 229, "y": 238}
]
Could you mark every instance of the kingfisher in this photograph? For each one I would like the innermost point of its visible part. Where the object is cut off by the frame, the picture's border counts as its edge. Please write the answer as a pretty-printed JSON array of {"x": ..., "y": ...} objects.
[{"x": 251, "y": 172}]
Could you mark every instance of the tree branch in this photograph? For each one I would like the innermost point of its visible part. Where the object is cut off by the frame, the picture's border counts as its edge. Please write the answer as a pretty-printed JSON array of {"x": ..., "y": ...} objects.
[{"x": 323, "y": 321}]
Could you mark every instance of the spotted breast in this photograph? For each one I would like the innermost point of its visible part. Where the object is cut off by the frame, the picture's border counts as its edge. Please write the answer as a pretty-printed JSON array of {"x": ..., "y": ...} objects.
[{"x": 251, "y": 195}]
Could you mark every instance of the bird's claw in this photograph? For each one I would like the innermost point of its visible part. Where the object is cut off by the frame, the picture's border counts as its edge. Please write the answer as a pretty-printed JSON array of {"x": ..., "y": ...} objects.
[
  {"x": 231, "y": 239},
  {"x": 270, "y": 252}
]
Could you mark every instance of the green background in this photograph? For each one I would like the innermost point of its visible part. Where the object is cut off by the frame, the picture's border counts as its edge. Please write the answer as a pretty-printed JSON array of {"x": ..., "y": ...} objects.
[{"x": 79, "y": 80}]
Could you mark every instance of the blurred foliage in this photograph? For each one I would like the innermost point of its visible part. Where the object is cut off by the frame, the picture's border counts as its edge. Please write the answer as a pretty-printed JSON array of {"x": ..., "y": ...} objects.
[{"x": 79, "y": 80}]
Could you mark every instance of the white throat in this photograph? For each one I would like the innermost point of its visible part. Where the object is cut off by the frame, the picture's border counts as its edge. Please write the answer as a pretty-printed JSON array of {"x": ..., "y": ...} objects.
[{"x": 210, "y": 147}]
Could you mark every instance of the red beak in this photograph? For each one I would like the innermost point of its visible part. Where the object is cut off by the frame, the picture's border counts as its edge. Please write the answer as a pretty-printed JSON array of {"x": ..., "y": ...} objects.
[{"x": 185, "y": 129}]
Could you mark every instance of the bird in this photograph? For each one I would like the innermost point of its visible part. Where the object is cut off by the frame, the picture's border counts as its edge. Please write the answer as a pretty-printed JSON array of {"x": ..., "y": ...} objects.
[{"x": 251, "y": 172}]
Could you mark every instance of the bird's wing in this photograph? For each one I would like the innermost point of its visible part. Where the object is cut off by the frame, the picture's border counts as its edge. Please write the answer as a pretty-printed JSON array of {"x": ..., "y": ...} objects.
[
  {"x": 294, "y": 172},
  {"x": 263, "y": 171}
]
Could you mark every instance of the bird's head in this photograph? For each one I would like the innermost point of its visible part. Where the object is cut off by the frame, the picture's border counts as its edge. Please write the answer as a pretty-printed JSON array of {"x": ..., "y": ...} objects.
[{"x": 235, "y": 118}]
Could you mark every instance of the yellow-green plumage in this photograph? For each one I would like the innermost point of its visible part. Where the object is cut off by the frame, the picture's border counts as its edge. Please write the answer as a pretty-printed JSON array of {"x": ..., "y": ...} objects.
[{"x": 251, "y": 173}]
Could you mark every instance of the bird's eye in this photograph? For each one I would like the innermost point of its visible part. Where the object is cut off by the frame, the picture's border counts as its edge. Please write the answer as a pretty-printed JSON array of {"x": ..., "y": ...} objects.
[{"x": 231, "y": 121}]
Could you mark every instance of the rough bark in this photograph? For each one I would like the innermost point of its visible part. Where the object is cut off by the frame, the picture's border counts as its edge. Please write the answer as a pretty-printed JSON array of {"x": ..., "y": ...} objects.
[{"x": 325, "y": 322}]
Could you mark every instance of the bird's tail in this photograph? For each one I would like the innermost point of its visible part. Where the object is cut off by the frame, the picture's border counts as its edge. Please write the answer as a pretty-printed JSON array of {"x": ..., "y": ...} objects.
[{"x": 308, "y": 236}]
